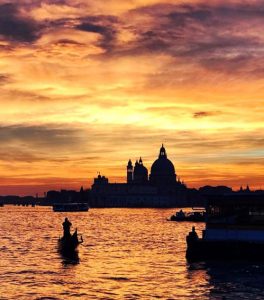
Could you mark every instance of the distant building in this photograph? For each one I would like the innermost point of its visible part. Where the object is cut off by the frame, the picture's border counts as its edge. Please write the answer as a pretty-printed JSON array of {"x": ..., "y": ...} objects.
[
  {"x": 215, "y": 190},
  {"x": 161, "y": 188},
  {"x": 246, "y": 190},
  {"x": 67, "y": 196}
]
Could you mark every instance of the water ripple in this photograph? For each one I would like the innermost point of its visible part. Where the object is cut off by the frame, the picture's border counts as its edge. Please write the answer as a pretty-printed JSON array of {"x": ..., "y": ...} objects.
[{"x": 127, "y": 254}]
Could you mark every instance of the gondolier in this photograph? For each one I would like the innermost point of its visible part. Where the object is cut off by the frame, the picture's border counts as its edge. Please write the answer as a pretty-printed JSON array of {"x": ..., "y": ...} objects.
[{"x": 66, "y": 228}]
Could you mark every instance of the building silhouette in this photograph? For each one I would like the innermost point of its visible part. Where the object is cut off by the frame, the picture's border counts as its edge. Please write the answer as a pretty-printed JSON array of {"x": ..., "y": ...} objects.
[{"x": 162, "y": 188}]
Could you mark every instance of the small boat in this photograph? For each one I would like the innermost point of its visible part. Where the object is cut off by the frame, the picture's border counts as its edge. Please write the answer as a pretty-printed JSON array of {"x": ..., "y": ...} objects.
[
  {"x": 70, "y": 207},
  {"x": 195, "y": 216},
  {"x": 69, "y": 242},
  {"x": 234, "y": 230}
]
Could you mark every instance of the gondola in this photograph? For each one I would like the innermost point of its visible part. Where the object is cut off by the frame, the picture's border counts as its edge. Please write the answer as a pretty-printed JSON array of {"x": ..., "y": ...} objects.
[{"x": 70, "y": 243}]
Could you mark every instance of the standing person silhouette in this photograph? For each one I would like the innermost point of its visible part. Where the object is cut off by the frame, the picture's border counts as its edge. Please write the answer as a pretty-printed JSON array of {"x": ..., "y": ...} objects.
[
  {"x": 66, "y": 228},
  {"x": 193, "y": 234}
]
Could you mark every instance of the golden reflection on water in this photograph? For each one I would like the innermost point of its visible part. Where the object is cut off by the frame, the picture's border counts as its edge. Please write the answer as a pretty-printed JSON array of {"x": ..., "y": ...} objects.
[{"x": 126, "y": 254}]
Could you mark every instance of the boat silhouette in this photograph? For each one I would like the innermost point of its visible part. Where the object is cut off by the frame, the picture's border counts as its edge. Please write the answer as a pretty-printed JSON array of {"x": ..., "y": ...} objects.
[
  {"x": 234, "y": 230},
  {"x": 70, "y": 242}
]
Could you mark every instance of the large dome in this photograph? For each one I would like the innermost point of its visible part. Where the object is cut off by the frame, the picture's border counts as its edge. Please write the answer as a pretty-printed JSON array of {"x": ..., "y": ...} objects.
[
  {"x": 162, "y": 170},
  {"x": 162, "y": 166}
]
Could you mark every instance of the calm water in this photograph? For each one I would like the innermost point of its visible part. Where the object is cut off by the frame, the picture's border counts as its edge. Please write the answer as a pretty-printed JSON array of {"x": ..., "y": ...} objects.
[{"x": 127, "y": 254}]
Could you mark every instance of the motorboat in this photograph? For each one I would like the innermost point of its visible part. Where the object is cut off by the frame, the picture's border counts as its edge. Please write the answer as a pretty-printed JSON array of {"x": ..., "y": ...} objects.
[
  {"x": 195, "y": 216},
  {"x": 70, "y": 207}
]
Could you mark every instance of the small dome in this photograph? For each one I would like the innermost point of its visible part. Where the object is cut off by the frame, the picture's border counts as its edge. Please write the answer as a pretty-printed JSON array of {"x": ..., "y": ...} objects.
[{"x": 139, "y": 168}]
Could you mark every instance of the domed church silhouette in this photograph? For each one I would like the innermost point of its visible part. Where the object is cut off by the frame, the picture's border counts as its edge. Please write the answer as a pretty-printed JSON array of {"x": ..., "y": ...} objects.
[
  {"x": 162, "y": 171},
  {"x": 162, "y": 188}
]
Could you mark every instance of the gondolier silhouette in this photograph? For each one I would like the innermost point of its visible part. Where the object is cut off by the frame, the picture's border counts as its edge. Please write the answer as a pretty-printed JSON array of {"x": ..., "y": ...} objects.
[{"x": 66, "y": 228}]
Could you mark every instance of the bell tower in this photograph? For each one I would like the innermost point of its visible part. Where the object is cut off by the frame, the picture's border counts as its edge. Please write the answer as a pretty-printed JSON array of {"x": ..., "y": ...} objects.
[{"x": 129, "y": 172}]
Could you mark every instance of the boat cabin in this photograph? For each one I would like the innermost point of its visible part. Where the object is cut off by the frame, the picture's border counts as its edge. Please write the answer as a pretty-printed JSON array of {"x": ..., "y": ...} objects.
[{"x": 235, "y": 217}]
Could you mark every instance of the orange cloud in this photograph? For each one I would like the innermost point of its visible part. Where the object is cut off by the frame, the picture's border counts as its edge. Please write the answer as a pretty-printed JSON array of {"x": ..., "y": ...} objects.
[{"x": 87, "y": 85}]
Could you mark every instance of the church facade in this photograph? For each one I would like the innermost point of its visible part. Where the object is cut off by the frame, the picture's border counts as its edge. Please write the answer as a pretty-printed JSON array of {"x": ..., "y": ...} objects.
[{"x": 160, "y": 188}]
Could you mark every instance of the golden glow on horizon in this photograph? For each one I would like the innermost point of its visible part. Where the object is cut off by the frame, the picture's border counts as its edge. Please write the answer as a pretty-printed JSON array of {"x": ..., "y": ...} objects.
[{"x": 87, "y": 85}]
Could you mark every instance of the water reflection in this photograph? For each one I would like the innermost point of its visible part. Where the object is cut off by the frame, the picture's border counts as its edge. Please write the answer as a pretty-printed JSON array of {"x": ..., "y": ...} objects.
[
  {"x": 229, "y": 280},
  {"x": 69, "y": 257}
]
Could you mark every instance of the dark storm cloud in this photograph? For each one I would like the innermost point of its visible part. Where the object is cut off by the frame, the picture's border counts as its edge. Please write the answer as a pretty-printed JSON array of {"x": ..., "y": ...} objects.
[{"x": 15, "y": 27}]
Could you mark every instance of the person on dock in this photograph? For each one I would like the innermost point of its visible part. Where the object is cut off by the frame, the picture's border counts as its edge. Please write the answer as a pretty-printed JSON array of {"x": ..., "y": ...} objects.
[
  {"x": 66, "y": 228},
  {"x": 193, "y": 234}
]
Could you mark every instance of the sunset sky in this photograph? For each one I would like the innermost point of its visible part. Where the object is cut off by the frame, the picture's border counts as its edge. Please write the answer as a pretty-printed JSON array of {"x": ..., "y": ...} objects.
[{"x": 87, "y": 84}]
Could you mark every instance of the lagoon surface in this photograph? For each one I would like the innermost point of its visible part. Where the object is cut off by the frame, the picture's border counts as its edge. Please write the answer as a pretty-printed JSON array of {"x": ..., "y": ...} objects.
[{"x": 126, "y": 254}]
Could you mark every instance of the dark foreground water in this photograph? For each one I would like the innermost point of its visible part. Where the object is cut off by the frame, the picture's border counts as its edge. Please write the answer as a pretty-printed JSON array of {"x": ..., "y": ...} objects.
[{"x": 126, "y": 254}]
